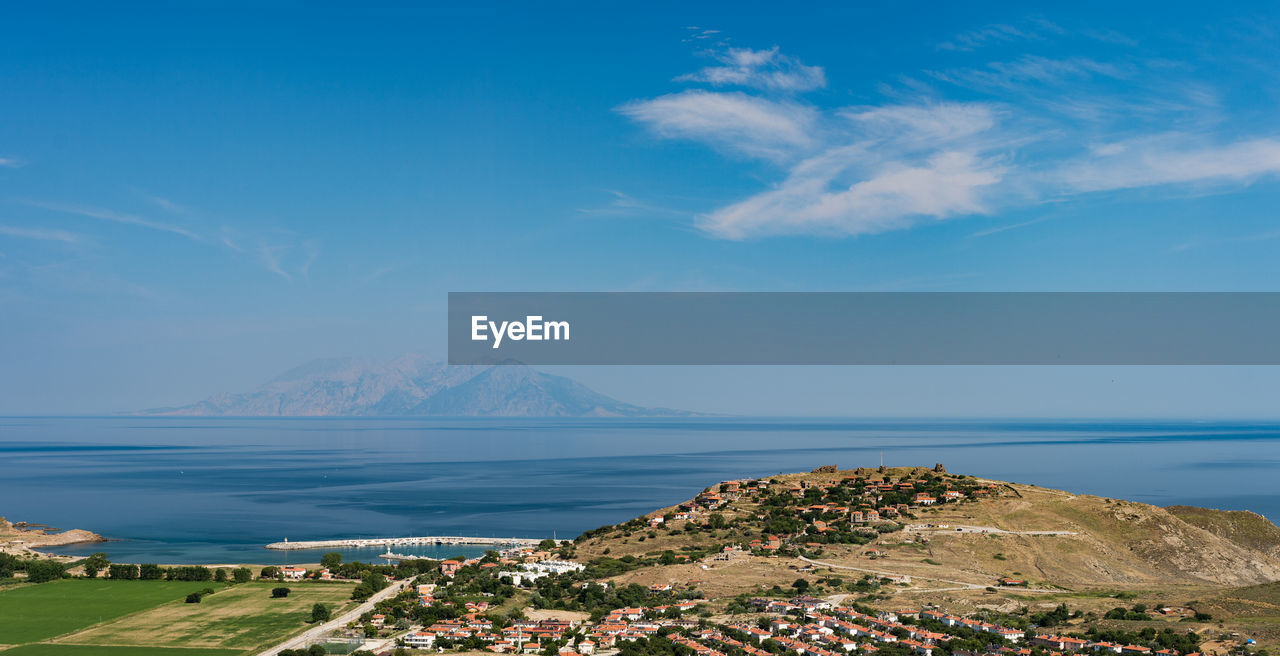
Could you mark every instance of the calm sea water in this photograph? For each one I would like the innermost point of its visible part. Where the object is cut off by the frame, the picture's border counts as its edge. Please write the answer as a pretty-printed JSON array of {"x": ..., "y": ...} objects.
[{"x": 216, "y": 490}]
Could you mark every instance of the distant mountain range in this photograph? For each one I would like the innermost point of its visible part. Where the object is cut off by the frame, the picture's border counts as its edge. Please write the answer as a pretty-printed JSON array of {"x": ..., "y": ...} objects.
[{"x": 413, "y": 385}]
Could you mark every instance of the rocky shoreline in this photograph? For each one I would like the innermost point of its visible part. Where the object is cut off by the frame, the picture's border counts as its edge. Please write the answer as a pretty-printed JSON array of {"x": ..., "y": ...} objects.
[{"x": 27, "y": 539}]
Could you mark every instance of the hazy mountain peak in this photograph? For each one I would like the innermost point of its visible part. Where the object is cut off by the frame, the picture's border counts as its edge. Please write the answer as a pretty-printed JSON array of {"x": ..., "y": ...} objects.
[{"x": 415, "y": 385}]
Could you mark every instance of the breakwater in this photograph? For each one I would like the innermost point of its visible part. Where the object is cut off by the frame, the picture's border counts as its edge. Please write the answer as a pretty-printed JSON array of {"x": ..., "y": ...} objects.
[{"x": 287, "y": 545}]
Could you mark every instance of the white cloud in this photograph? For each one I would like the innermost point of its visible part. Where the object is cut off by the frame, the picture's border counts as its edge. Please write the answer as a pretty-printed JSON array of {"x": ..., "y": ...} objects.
[
  {"x": 760, "y": 69},
  {"x": 947, "y": 184},
  {"x": 1169, "y": 159},
  {"x": 923, "y": 125},
  {"x": 734, "y": 121},
  {"x": 1052, "y": 129},
  {"x": 9, "y": 162},
  {"x": 39, "y": 233}
]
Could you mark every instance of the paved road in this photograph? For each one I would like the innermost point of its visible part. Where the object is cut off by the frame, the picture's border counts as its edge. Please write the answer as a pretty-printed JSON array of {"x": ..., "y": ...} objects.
[{"x": 304, "y": 638}]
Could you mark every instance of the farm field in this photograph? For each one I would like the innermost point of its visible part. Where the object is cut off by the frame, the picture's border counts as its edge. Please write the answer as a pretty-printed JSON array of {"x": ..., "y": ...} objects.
[
  {"x": 240, "y": 617},
  {"x": 38, "y": 612},
  {"x": 94, "y": 650}
]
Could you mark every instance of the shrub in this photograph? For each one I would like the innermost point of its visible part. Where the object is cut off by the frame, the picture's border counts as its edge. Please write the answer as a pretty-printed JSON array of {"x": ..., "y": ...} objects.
[{"x": 280, "y": 593}]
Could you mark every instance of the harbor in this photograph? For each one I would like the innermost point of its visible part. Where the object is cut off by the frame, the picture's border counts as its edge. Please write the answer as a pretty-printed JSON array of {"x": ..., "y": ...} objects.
[{"x": 355, "y": 543}]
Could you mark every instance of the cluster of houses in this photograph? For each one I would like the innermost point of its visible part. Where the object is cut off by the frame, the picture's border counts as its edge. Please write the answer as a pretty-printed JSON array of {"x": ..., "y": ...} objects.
[
  {"x": 869, "y": 508},
  {"x": 805, "y": 625},
  {"x": 526, "y": 637},
  {"x": 522, "y": 637}
]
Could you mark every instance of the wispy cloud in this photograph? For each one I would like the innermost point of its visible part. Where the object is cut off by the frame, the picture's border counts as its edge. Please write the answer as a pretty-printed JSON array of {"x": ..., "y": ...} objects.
[
  {"x": 625, "y": 204},
  {"x": 1219, "y": 241},
  {"x": 11, "y": 162},
  {"x": 1049, "y": 129},
  {"x": 102, "y": 214},
  {"x": 734, "y": 121},
  {"x": 269, "y": 257},
  {"x": 375, "y": 274},
  {"x": 40, "y": 234},
  {"x": 947, "y": 184},
  {"x": 1168, "y": 159},
  {"x": 311, "y": 250},
  {"x": 1000, "y": 34},
  {"x": 760, "y": 69},
  {"x": 1005, "y": 228}
]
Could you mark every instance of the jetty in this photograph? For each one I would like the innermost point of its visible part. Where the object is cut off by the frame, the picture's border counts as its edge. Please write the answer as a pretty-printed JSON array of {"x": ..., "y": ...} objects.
[{"x": 357, "y": 543}]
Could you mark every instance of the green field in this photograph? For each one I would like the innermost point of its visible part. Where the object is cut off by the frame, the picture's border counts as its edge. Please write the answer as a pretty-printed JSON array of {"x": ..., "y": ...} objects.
[
  {"x": 240, "y": 617},
  {"x": 38, "y": 612},
  {"x": 91, "y": 650}
]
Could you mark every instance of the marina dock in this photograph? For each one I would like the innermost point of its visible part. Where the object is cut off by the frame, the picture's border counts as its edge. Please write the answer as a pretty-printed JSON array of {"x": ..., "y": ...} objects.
[{"x": 286, "y": 545}]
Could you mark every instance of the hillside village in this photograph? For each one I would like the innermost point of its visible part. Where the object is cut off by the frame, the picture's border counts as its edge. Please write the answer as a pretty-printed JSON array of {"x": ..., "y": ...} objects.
[
  {"x": 581, "y": 597},
  {"x": 824, "y": 563}
]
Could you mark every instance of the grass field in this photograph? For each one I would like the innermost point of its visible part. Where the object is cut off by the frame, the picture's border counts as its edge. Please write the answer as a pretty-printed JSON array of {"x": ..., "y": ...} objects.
[
  {"x": 241, "y": 617},
  {"x": 38, "y": 612},
  {"x": 92, "y": 650}
]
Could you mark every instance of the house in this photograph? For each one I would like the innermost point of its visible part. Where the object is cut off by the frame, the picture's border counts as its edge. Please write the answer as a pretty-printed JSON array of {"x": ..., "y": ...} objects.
[
  {"x": 291, "y": 573},
  {"x": 450, "y": 567},
  {"x": 587, "y": 647},
  {"x": 420, "y": 640},
  {"x": 378, "y": 620},
  {"x": 923, "y": 499}
]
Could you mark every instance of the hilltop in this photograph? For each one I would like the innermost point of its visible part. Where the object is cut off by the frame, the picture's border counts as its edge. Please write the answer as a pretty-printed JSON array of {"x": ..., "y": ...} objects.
[
  {"x": 926, "y": 528},
  {"x": 412, "y": 385}
]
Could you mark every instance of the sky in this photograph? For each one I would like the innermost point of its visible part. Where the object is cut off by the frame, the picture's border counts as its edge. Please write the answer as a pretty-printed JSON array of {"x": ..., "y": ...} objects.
[{"x": 195, "y": 197}]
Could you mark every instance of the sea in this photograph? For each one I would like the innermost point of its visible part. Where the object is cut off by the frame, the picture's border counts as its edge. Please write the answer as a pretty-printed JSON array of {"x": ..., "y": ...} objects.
[{"x": 185, "y": 490}]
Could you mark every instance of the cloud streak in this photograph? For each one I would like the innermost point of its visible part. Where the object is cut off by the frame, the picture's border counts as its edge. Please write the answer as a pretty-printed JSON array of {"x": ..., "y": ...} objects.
[
  {"x": 733, "y": 121},
  {"x": 102, "y": 214},
  {"x": 759, "y": 69},
  {"x": 39, "y": 234},
  {"x": 1052, "y": 129}
]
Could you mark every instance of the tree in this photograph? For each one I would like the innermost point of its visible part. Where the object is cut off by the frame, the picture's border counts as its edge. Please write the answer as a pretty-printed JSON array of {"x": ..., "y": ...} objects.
[
  {"x": 269, "y": 572},
  {"x": 800, "y": 585},
  {"x": 96, "y": 562},
  {"x": 123, "y": 572},
  {"x": 151, "y": 572},
  {"x": 220, "y": 575},
  {"x": 242, "y": 574},
  {"x": 280, "y": 593},
  {"x": 41, "y": 571},
  {"x": 331, "y": 560},
  {"x": 320, "y": 613},
  {"x": 194, "y": 598},
  {"x": 547, "y": 544}
]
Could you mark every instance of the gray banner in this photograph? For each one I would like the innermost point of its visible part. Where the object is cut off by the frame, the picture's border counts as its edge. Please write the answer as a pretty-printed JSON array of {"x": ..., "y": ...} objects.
[{"x": 838, "y": 328}]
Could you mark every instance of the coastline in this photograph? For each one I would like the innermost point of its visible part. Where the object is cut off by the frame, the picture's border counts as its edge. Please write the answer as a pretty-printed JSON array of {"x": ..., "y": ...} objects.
[{"x": 27, "y": 539}]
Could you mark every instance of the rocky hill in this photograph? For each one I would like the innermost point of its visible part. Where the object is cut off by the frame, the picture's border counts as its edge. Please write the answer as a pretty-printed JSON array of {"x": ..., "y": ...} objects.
[
  {"x": 412, "y": 385},
  {"x": 962, "y": 533}
]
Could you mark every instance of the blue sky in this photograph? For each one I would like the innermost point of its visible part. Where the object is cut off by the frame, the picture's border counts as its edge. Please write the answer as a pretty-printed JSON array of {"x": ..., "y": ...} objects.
[{"x": 193, "y": 199}]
